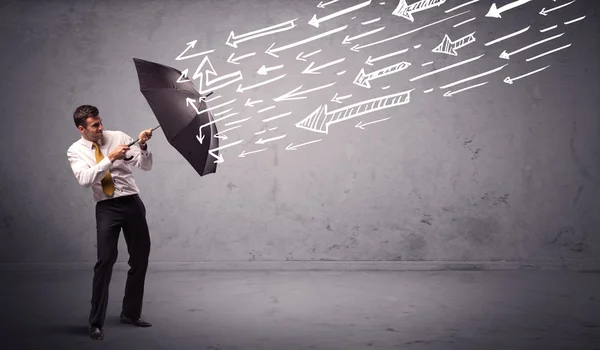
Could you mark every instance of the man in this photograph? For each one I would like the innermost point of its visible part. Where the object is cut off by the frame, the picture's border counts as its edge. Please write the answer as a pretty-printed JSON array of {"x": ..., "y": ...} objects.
[{"x": 99, "y": 161}]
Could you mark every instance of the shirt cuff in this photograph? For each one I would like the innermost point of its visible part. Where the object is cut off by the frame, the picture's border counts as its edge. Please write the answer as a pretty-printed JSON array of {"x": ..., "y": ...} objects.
[{"x": 105, "y": 163}]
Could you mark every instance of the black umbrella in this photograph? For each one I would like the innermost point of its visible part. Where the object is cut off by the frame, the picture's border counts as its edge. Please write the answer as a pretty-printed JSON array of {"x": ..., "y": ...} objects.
[{"x": 179, "y": 119}]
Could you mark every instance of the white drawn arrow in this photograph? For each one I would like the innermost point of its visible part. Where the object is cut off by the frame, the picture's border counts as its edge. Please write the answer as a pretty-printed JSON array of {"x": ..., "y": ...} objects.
[
  {"x": 200, "y": 136},
  {"x": 262, "y": 142},
  {"x": 211, "y": 71},
  {"x": 322, "y": 5},
  {"x": 219, "y": 157},
  {"x": 474, "y": 77},
  {"x": 183, "y": 75},
  {"x": 505, "y": 55},
  {"x": 545, "y": 12},
  {"x": 320, "y": 119},
  {"x": 449, "y": 47},
  {"x": 294, "y": 148},
  {"x": 294, "y": 94},
  {"x": 339, "y": 99},
  {"x": 404, "y": 10},
  {"x": 315, "y": 70},
  {"x": 224, "y": 137},
  {"x": 264, "y": 70},
  {"x": 360, "y": 125},
  {"x": 519, "y": 32},
  {"x": 370, "y": 60},
  {"x": 348, "y": 39},
  {"x": 495, "y": 12},
  {"x": 191, "y": 45},
  {"x": 250, "y": 103},
  {"x": 244, "y": 153},
  {"x": 357, "y": 47},
  {"x": 271, "y": 51},
  {"x": 234, "y": 40},
  {"x": 315, "y": 22},
  {"x": 510, "y": 80},
  {"x": 362, "y": 79},
  {"x": 235, "y": 60},
  {"x": 302, "y": 57},
  {"x": 452, "y": 93},
  {"x": 242, "y": 89}
]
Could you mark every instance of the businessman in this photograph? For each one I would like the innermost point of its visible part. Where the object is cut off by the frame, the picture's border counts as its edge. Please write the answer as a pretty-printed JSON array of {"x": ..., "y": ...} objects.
[{"x": 99, "y": 160}]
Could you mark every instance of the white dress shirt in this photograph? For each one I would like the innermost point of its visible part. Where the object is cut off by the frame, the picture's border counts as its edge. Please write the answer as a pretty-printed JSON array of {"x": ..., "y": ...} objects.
[{"x": 82, "y": 157}]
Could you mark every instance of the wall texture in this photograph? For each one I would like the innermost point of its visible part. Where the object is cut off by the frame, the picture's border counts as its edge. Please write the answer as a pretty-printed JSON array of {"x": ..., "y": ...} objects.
[{"x": 496, "y": 172}]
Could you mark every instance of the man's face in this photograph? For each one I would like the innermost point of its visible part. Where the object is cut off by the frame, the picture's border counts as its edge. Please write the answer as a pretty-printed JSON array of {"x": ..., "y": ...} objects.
[{"x": 94, "y": 129}]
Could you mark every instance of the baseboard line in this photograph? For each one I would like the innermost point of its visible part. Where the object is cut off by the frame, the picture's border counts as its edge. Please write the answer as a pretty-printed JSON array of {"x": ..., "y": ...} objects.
[{"x": 350, "y": 265}]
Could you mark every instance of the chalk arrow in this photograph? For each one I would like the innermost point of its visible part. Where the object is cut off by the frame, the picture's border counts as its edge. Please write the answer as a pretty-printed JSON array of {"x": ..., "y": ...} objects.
[
  {"x": 295, "y": 148},
  {"x": 360, "y": 124},
  {"x": 235, "y": 60},
  {"x": 371, "y": 60},
  {"x": 244, "y": 153},
  {"x": 348, "y": 39},
  {"x": 233, "y": 40},
  {"x": 191, "y": 45},
  {"x": 183, "y": 74},
  {"x": 315, "y": 22},
  {"x": 264, "y": 70},
  {"x": 510, "y": 80},
  {"x": 505, "y": 55},
  {"x": 495, "y": 12},
  {"x": 219, "y": 157},
  {"x": 302, "y": 57},
  {"x": 339, "y": 99},
  {"x": 449, "y": 47},
  {"x": 545, "y": 12},
  {"x": 322, "y": 5},
  {"x": 262, "y": 142},
  {"x": 250, "y": 103},
  {"x": 295, "y": 94},
  {"x": 404, "y": 10},
  {"x": 224, "y": 137},
  {"x": 190, "y": 101},
  {"x": 211, "y": 71},
  {"x": 321, "y": 118},
  {"x": 315, "y": 70},
  {"x": 362, "y": 79},
  {"x": 271, "y": 51}
]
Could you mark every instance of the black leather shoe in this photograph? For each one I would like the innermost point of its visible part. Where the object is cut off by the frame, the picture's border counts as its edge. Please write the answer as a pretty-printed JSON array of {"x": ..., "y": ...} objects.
[
  {"x": 96, "y": 333},
  {"x": 138, "y": 323}
]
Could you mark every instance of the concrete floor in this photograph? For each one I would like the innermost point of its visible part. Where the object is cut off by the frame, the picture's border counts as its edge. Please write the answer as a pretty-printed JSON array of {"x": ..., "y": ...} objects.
[{"x": 311, "y": 310}]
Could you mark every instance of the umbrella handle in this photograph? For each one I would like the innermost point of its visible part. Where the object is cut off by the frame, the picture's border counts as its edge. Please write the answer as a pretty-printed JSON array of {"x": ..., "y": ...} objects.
[{"x": 132, "y": 143}]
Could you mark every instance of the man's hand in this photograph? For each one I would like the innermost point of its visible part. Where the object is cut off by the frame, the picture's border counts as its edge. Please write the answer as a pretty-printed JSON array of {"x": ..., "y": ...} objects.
[
  {"x": 145, "y": 136},
  {"x": 118, "y": 153}
]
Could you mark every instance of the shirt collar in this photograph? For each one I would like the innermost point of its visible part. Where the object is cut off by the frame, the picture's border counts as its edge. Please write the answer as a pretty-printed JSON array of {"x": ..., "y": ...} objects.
[{"x": 89, "y": 144}]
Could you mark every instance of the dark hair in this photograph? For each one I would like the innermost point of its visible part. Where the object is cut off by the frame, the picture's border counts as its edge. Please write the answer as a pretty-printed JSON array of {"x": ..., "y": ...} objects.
[{"x": 82, "y": 113}]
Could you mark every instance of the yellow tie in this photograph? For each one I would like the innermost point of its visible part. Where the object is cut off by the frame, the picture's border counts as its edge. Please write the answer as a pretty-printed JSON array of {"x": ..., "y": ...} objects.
[{"x": 107, "y": 183}]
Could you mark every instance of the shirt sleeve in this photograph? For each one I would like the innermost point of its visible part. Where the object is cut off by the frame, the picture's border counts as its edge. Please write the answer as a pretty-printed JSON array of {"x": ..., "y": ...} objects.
[
  {"x": 141, "y": 158},
  {"x": 87, "y": 175}
]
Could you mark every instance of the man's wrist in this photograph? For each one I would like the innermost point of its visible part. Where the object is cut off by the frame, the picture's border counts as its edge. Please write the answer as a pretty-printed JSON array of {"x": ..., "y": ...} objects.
[{"x": 143, "y": 146}]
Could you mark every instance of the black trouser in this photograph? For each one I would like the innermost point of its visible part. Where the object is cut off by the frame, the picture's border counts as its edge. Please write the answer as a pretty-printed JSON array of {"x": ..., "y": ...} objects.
[{"x": 128, "y": 213}]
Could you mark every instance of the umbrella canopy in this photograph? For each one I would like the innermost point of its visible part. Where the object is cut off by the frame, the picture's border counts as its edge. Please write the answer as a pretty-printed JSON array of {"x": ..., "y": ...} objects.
[{"x": 179, "y": 119}]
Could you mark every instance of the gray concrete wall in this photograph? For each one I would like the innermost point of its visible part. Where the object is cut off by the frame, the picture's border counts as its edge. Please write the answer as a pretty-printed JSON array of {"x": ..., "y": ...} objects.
[{"x": 499, "y": 172}]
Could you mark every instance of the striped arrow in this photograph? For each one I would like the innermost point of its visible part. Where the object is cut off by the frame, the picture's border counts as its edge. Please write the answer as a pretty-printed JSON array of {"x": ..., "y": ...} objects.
[
  {"x": 449, "y": 47},
  {"x": 320, "y": 119},
  {"x": 404, "y": 10},
  {"x": 363, "y": 79}
]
